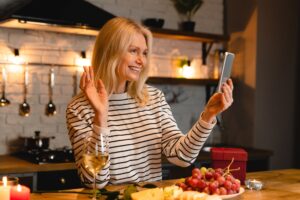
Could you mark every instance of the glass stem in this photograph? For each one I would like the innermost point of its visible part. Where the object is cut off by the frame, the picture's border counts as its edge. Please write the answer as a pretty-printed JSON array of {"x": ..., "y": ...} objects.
[{"x": 94, "y": 188}]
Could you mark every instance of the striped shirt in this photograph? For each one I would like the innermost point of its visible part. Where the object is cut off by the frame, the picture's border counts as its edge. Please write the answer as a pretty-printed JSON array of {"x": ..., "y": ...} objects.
[{"x": 137, "y": 138}]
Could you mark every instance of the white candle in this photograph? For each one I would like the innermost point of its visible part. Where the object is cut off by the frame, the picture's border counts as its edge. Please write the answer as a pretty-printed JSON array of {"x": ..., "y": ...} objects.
[{"x": 4, "y": 190}]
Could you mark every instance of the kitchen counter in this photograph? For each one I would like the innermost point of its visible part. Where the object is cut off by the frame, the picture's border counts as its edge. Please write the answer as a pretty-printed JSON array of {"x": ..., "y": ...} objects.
[
  {"x": 278, "y": 184},
  {"x": 10, "y": 164}
]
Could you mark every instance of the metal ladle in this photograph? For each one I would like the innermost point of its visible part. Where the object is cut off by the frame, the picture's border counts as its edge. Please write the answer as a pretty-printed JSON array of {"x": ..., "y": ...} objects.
[
  {"x": 50, "y": 107},
  {"x": 3, "y": 100},
  {"x": 24, "y": 108}
]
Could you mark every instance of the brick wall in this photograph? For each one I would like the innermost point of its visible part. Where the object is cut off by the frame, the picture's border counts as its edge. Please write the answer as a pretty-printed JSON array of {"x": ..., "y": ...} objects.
[{"x": 60, "y": 48}]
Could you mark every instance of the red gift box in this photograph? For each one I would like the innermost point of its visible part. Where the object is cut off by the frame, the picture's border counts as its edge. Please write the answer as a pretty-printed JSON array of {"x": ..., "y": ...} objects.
[{"x": 222, "y": 157}]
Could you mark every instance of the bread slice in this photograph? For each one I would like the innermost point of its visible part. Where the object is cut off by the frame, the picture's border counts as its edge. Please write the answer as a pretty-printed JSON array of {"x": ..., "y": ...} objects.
[{"x": 149, "y": 194}]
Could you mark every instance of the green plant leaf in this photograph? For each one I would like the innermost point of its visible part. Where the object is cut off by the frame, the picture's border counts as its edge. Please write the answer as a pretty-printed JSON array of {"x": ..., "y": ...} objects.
[{"x": 187, "y": 7}]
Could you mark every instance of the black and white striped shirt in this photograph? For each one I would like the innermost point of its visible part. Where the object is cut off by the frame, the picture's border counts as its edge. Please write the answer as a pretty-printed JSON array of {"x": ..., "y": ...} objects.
[{"x": 137, "y": 138}]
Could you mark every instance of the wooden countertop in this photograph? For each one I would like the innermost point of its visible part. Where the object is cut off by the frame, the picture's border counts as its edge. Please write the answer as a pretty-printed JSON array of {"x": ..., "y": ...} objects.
[
  {"x": 278, "y": 184},
  {"x": 11, "y": 164}
]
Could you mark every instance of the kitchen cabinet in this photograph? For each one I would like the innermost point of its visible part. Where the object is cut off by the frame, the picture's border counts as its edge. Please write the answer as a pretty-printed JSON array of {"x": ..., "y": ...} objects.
[
  {"x": 48, "y": 180},
  {"x": 35, "y": 176},
  {"x": 57, "y": 180},
  {"x": 28, "y": 179}
]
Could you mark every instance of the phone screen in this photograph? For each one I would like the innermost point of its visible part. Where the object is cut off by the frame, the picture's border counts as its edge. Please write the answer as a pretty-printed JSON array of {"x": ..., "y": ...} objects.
[{"x": 226, "y": 69}]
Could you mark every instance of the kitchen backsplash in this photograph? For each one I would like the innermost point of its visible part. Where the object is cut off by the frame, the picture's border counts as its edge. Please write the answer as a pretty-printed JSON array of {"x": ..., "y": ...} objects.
[{"x": 64, "y": 49}]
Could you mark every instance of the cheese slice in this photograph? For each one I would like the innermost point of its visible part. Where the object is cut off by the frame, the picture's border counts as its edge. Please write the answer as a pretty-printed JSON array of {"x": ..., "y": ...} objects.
[
  {"x": 192, "y": 195},
  {"x": 149, "y": 194}
]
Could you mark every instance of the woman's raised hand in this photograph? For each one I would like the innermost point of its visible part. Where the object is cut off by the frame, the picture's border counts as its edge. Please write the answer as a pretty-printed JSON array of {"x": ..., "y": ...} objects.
[
  {"x": 96, "y": 94},
  {"x": 218, "y": 102}
]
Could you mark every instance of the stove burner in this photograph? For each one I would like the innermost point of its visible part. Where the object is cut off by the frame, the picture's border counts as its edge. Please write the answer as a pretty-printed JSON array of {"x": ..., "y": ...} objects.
[{"x": 47, "y": 155}]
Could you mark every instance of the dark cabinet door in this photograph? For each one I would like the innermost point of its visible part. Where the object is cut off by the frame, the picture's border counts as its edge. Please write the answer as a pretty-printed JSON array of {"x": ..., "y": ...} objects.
[{"x": 57, "y": 180}]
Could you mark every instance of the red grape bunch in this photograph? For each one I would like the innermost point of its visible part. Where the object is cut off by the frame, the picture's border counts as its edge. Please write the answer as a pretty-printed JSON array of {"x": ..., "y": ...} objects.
[{"x": 211, "y": 181}]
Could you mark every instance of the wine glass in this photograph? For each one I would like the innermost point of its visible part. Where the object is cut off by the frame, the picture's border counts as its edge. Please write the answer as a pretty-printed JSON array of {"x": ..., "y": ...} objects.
[{"x": 95, "y": 156}]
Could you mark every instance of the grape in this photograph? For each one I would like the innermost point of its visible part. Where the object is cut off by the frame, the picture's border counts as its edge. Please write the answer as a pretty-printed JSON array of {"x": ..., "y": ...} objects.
[
  {"x": 208, "y": 175},
  {"x": 193, "y": 182},
  {"x": 217, "y": 191},
  {"x": 183, "y": 186},
  {"x": 206, "y": 190},
  {"x": 216, "y": 175},
  {"x": 234, "y": 187},
  {"x": 227, "y": 184},
  {"x": 221, "y": 180},
  {"x": 196, "y": 171},
  {"x": 201, "y": 185},
  {"x": 211, "y": 181},
  {"x": 213, "y": 186},
  {"x": 197, "y": 175},
  {"x": 223, "y": 191},
  {"x": 203, "y": 170}
]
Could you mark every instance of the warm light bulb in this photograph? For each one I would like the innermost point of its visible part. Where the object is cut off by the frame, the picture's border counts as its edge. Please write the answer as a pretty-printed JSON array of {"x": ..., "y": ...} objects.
[
  {"x": 16, "y": 61},
  {"x": 83, "y": 62},
  {"x": 187, "y": 71}
]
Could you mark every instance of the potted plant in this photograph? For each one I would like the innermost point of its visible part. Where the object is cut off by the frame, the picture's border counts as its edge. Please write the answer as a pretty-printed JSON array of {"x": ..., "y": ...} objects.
[{"x": 187, "y": 8}]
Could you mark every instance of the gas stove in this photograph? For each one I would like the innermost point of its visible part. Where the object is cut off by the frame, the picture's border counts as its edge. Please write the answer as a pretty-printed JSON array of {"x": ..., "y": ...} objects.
[{"x": 43, "y": 156}]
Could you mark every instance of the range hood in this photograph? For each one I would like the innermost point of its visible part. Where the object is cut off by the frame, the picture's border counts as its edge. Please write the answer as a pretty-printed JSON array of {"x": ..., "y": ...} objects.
[{"x": 68, "y": 16}]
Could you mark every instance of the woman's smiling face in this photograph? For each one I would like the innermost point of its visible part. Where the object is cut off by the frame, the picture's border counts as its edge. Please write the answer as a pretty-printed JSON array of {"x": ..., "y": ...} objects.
[{"x": 133, "y": 61}]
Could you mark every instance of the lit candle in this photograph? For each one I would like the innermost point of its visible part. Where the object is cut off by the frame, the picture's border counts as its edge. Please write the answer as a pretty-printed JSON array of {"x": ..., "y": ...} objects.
[
  {"x": 19, "y": 192},
  {"x": 4, "y": 190}
]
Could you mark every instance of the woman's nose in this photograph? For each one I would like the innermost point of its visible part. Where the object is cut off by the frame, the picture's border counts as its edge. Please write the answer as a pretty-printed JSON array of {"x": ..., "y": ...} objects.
[{"x": 140, "y": 59}]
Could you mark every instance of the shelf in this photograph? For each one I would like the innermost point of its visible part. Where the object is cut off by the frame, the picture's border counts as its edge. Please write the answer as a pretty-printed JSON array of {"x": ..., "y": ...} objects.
[
  {"x": 191, "y": 36},
  {"x": 184, "y": 81}
]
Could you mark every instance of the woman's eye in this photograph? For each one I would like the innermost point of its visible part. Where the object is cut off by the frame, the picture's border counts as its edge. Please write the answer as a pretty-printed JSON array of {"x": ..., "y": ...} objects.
[
  {"x": 145, "y": 53},
  {"x": 133, "y": 51}
]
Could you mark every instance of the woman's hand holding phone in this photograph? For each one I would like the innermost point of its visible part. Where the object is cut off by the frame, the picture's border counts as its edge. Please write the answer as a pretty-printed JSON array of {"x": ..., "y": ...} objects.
[{"x": 219, "y": 102}]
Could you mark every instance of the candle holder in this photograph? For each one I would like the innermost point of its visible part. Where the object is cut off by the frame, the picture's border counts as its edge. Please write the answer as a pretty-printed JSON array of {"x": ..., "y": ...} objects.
[
  {"x": 253, "y": 184},
  {"x": 11, "y": 181}
]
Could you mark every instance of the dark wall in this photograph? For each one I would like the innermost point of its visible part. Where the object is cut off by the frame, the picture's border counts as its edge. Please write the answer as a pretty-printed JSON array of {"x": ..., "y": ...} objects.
[
  {"x": 276, "y": 79},
  {"x": 297, "y": 107},
  {"x": 275, "y": 96}
]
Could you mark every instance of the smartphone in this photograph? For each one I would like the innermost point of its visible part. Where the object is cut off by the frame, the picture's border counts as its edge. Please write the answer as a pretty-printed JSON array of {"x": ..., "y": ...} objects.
[{"x": 226, "y": 69}]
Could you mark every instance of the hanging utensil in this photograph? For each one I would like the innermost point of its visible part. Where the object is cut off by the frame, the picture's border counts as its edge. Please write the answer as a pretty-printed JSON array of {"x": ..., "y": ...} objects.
[
  {"x": 3, "y": 100},
  {"x": 50, "y": 107},
  {"x": 24, "y": 108}
]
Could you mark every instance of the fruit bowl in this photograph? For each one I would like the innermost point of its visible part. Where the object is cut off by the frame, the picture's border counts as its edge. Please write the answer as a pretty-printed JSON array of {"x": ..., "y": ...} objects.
[
  {"x": 229, "y": 196},
  {"x": 212, "y": 181}
]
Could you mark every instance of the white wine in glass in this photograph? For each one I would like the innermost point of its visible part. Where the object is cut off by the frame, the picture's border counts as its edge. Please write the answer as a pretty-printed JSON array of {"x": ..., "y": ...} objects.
[{"x": 95, "y": 156}]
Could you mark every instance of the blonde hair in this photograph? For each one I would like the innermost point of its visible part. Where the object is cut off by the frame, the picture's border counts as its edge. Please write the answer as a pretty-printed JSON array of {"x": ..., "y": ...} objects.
[{"x": 111, "y": 44}]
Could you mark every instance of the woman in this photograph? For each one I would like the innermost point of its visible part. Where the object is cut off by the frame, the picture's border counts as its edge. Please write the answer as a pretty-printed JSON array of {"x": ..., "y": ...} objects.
[{"x": 141, "y": 127}]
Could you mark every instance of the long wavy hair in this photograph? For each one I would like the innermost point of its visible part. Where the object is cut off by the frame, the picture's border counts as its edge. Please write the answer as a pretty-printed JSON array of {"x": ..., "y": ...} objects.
[{"x": 111, "y": 44}]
